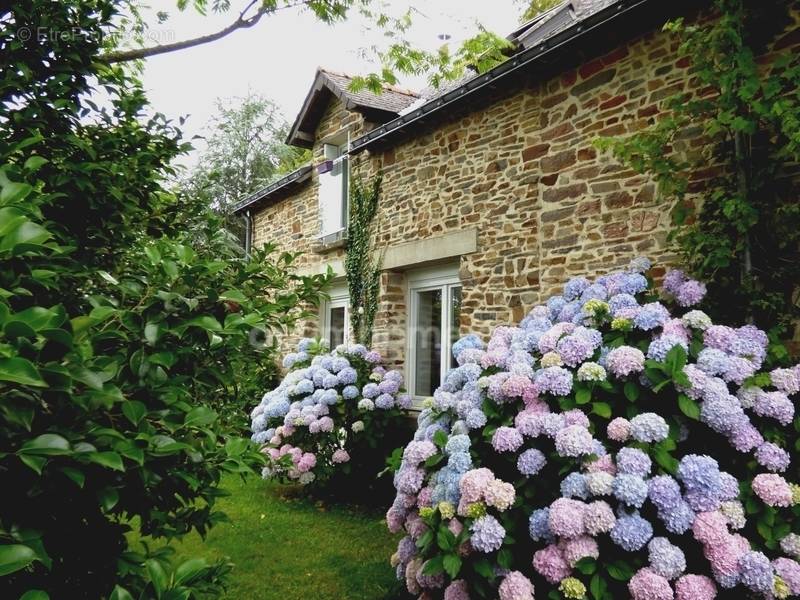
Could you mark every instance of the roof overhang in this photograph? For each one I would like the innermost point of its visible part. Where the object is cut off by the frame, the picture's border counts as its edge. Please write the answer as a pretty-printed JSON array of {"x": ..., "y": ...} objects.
[
  {"x": 274, "y": 190},
  {"x": 316, "y": 102}
]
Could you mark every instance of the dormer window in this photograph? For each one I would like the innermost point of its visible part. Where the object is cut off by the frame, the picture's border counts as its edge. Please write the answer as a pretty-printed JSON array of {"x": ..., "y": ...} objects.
[{"x": 333, "y": 192}]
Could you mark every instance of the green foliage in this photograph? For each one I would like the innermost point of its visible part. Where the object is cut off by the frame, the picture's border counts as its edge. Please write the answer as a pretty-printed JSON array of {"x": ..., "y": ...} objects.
[
  {"x": 739, "y": 229},
  {"x": 479, "y": 53},
  {"x": 534, "y": 8},
  {"x": 125, "y": 314},
  {"x": 362, "y": 268},
  {"x": 245, "y": 152}
]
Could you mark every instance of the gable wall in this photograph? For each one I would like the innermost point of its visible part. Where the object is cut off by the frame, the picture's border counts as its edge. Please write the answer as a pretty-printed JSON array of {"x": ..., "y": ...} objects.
[{"x": 522, "y": 172}]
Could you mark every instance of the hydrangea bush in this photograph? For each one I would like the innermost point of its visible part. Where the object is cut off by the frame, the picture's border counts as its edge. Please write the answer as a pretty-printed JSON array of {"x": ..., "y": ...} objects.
[
  {"x": 608, "y": 447},
  {"x": 333, "y": 412}
]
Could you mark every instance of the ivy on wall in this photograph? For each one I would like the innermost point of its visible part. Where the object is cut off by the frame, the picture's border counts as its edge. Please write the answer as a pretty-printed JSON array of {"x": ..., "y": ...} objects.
[
  {"x": 361, "y": 264},
  {"x": 740, "y": 231}
]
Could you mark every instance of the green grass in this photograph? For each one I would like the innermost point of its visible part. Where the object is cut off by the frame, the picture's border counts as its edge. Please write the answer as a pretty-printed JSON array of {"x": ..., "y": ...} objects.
[{"x": 287, "y": 548}]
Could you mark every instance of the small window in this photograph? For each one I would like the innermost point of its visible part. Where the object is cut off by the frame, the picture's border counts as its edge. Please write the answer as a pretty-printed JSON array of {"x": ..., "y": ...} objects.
[
  {"x": 336, "y": 317},
  {"x": 333, "y": 191},
  {"x": 435, "y": 310}
]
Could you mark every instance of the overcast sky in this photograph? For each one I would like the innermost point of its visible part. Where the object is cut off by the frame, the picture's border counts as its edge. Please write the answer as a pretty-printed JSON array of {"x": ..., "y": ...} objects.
[{"x": 279, "y": 55}]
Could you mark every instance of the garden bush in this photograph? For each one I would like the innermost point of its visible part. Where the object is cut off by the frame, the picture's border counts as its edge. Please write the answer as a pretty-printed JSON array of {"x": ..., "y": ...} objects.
[
  {"x": 607, "y": 447},
  {"x": 333, "y": 420},
  {"x": 125, "y": 313}
]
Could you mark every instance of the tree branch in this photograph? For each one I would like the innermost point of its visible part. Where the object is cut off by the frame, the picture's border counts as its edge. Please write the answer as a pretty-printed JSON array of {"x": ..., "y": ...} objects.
[{"x": 241, "y": 22}]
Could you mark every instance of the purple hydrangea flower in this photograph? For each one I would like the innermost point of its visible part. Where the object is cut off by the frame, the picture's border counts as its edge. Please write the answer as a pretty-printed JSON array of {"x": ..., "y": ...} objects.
[
  {"x": 574, "y": 441},
  {"x": 487, "y": 534},
  {"x": 772, "y": 457},
  {"x": 632, "y": 461},
  {"x": 531, "y": 461},
  {"x": 631, "y": 532},
  {"x": 554, "y": 380},
  {"x": 690, "y": 293}
]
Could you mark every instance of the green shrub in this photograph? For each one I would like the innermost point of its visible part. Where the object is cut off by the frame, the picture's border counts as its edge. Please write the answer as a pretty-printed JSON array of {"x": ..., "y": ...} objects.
[{"x": 125, "y": 315}]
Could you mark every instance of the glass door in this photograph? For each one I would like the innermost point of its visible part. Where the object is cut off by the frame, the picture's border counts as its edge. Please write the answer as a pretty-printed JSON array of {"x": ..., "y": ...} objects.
[{"x": 435, "y": 309}]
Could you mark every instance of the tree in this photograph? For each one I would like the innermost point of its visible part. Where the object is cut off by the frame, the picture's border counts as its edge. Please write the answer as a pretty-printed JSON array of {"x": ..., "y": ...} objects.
[
  {"x": 738, "y": 229},
  {"x": 245, "y": 152},
  {"x": 534, "y": 8},
  {"x": 481, "y": 52},
  {"x": 128, "y": 320}
]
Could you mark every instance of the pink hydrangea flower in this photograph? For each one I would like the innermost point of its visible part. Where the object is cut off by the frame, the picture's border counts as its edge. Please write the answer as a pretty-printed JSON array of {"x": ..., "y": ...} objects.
[
  {"x": 598, "y": 518},
  {"x": 473, "y": 484},
  {"x": 566, "y": 517},
  {"x": 625, "y": 360},
  {"x": 515, "y": 586},
  {"x": 580, "y": 547},
  {"x": 340, "y": 456},
  {"x": 550, "y": 563},
  {"x": 695, "y": 587},
  {"x": 457, "y": 590},
  {"x": 619, "y": 429},
  {"x": 773, "y": 489},
  {"x": 646, "y": 584}
]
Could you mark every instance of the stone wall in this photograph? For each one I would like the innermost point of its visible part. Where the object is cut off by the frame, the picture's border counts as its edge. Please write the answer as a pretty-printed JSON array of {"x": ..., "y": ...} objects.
[{"x": 524, "y": 172}]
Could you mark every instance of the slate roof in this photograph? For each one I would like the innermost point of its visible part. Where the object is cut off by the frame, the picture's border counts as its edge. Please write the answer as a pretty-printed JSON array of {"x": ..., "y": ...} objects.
[
  {"x": 377, "y": 108},
  {"x": 558, "y": 18},
  {"x": 391, "y": 99}
]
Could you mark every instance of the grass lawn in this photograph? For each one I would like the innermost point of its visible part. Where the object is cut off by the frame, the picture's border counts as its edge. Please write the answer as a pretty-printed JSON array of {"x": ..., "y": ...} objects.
[{"x": 288, "y": 548}]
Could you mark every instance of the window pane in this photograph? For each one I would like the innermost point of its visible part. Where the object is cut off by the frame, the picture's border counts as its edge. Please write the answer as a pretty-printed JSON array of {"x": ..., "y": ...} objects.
[
  {"x": 337, "y": 325},
  {"x": 428, "y": 337},
  {"x": 455, "y": 320}
]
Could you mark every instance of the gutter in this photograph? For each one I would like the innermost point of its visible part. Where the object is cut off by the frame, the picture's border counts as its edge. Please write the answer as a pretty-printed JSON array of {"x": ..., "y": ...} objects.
[{"x": 503, "y": 71}]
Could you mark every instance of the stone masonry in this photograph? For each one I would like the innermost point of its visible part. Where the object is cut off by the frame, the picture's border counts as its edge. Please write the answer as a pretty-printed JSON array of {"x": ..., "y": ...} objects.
[{"x": 522, "y": 171}]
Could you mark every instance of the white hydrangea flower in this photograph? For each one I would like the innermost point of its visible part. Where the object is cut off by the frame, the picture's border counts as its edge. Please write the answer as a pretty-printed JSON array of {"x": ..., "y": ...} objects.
[
  {"x": 697, "y": 319},
  {"x": 551, "y": 359},
  {"x": 591, "y": 371}
]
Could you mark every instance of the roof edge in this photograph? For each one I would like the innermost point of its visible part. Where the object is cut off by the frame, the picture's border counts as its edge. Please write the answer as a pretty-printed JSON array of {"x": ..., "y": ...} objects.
[
  {"x": 323, "y": 82},
  {"x": 502, "y": 71},
  {"x": 295, "y": 177}
]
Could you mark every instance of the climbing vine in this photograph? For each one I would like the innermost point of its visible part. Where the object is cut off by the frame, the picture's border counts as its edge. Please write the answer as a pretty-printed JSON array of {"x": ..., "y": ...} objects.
[
  {"x": 740, "y": 230},
  {"x": 361, "y": 264}
]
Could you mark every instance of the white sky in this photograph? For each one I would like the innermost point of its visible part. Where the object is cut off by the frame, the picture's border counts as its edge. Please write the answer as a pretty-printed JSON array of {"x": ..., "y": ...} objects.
[{"x": 279, "y": 55}]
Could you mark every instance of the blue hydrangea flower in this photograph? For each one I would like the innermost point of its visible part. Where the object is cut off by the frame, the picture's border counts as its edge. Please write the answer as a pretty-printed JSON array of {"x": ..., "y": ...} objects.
[
  {"x": 475, "y": 418},
  {"x": 347, "y": 375},
  {"x": 575, "y": 287},
  {"x": 630, "y": 489},
  {"x": 631, "y": 532},
  {"x": 650, "y": 316},
  {"x": 539, "y": 525},
  {"x": 574, "y": 486}
]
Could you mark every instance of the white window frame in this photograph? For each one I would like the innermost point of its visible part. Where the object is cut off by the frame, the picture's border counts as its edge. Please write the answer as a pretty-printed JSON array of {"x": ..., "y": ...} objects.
[
  {"x": 341, "y": 162},
  {"x": 444, "y": 278},
  {"x": 339, "y": 298}
]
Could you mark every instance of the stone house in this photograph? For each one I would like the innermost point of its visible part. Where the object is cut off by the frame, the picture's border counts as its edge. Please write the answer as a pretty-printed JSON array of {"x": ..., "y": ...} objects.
[{"x": 493, "y": 193}]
